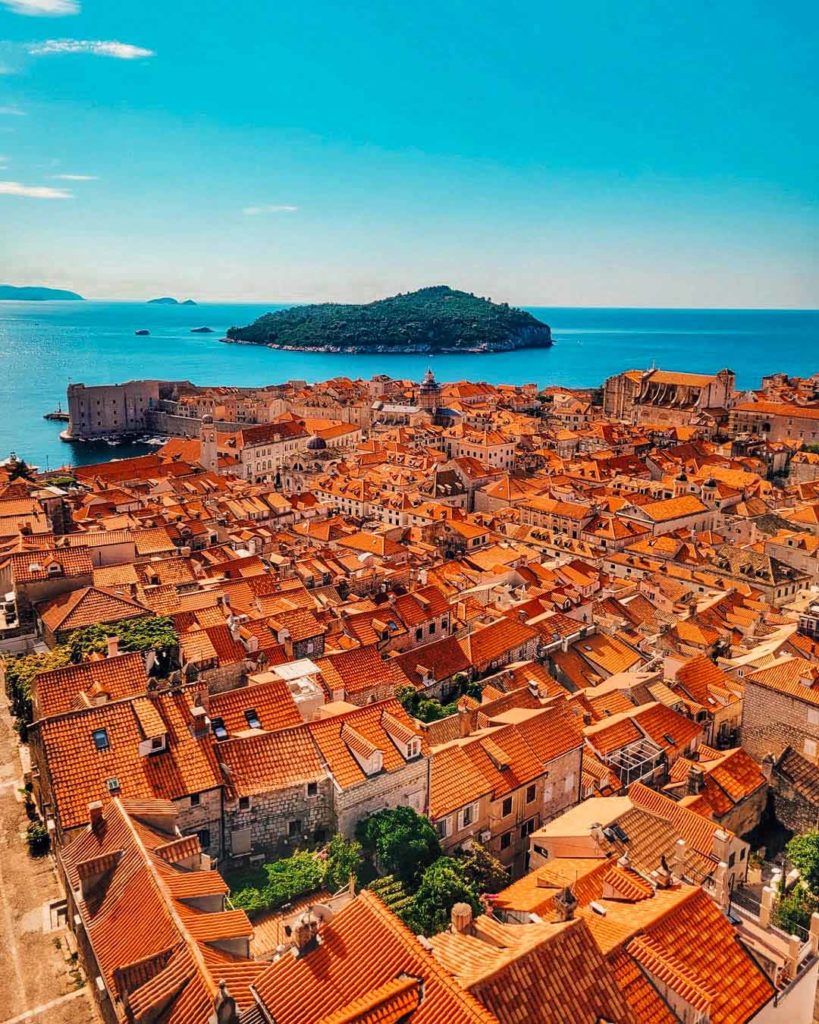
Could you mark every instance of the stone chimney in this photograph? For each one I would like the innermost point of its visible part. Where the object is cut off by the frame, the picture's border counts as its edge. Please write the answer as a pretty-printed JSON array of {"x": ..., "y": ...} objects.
[
  {"x": 678, "y": 858},
  {"x": 464, "y": 722},
  {"x": 305, "y": 930},
  {"x": 113, "y": 646},
  {"x": 225, "y": 1010},
  {"x": 695, "y": 781},
  {"x": 566, "y": 904},
  {"x": 721, "y": 843},
  {"x": 461, "y": 918},
  {"x": 95, "y": 815}
]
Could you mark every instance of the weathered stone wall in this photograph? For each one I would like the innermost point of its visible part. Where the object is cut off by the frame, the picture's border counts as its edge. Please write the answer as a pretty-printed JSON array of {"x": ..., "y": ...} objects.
[
  {"x": 409, "y": 785},
  {"x": 207, "y": 815},
  {"x": 270, "y": 814},
  {"x": 772, "y": 721}
]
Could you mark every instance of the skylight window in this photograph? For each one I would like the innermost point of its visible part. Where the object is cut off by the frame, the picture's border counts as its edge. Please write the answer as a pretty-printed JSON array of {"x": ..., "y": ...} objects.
[
  {"x": 252, "y": 718},
  {"x": 219, "y": 730},
  {"x": 100, "y": 738}
]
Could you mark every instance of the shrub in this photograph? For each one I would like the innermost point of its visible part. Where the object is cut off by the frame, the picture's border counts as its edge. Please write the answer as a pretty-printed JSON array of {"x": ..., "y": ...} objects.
[
  {"x": 38, "y": 839},
  {"x": 20, "y": 673},
  {"x": 343, "y": 857},
  {"x": 803, "y": 853},
  {"x": 274, "y": 884}
]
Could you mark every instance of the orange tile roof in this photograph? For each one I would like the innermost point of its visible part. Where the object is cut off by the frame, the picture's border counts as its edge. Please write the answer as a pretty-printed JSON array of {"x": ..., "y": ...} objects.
[
  {"x": 363, "y": 948},
  {"x": 87, "y": 607},
  {"x": 63, "y": 689},
  {"x": 79, "y": 772}
]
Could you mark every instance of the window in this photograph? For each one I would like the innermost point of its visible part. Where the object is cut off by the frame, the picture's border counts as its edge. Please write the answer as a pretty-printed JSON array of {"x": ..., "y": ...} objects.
[
  {"x": 531, "y": 793},
  {"x": 431, "y": 628},
  {"x": 294, "y": 828},
  {"x": 203, "y": 835},
  {"x": 732, "y": 860},
  {"x": 100, "y": 738},
  {"x": 506, "y": 807},
  {"x": 194, "y": 799},
  {"x": 467, "y": 816},
  {"x": 506, "y": 840},
  {"x": 158, "y": 743},
  {"x": 312, "y": 788},
  {"x": 419, "y": 634},
  {"x": 244, "y": 803},
  {"x": 444, "y": 828},
  {"x": 527, "y": 828},
  {"x": 413, "y": 748},
  {"x": 219, "y": 730},
  {"x": 252, "y": 718}
]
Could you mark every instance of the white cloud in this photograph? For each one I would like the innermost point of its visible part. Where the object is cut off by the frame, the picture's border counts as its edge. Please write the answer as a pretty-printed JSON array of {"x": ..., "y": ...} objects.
[
  {"x": 14, "y": 188},
  {"x": 98, "y": 47},
  {"x": 254, "y": 211},
  {"x": 75, "y": 177},
  {"x": 12, "y": 112},
  {"x": 43, "y": 8}
]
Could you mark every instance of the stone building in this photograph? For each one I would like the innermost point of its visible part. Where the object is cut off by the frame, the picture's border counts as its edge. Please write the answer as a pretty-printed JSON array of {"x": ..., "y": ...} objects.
[
  {"x": 780, "y": 709},
  {"x": 664, "y": 397}
]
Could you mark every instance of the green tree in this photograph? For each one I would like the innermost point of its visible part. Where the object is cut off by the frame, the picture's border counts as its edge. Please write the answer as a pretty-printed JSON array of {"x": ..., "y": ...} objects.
[
  {"x": 803, "y": 853},
  {"x": 402, "y": 842},
  {"x": 343, "y": 858},
  {"x": 443, "y": 884},
  {"x": 483, "y": 871},
  {"x": 795, "y": 908}
]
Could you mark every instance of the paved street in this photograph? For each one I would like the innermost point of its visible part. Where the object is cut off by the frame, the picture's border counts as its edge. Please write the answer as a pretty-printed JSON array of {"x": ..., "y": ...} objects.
[{"x": 38, "y": 977}]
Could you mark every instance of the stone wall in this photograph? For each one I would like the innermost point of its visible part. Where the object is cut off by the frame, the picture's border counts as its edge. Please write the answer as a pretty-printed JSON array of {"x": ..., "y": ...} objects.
[
  {"x": 205, "y": 816},
  {"x": 269, "y": 817},
  {"x": 772, "y": 721},
  {"x": 408, "y": 785}
]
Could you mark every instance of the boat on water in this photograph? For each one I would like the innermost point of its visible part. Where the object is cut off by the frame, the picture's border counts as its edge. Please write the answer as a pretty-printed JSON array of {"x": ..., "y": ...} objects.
[
  {"x": 142, "y": 333},
  {"x": 57, "y": 414}
]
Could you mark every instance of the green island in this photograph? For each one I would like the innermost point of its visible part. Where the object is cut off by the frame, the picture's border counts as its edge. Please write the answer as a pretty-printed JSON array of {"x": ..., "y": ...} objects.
[{"x": 436, "y": 319}]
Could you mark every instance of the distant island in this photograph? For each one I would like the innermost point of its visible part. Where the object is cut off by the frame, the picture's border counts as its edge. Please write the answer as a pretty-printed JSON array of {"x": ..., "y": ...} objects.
[
  {"x": 168, "y": 300},
  {"x": 37, "y": 294},
  {"x": 437, "y": 319}
]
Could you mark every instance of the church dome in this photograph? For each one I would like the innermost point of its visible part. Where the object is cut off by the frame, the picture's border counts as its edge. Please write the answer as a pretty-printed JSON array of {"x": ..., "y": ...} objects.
[{"x": 316, "y": 444}]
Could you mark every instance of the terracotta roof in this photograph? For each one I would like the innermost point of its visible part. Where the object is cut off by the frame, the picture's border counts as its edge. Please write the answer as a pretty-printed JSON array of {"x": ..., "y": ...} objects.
[
  {"x": 64, "y": 689},
  {"x": 363, "y": 949},
  {"x": 88, "y": 607}
]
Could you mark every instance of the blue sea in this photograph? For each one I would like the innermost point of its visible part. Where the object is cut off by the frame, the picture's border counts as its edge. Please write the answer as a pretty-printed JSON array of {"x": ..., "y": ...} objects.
[{"x": 45, "y": 345}]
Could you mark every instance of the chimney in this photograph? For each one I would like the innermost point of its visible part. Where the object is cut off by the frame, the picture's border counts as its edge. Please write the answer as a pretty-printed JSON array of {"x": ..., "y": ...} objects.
[
  {"x": 305, "y": 930},
  {"x": 95, "y": 815},
  {"x": 721, "y": 844},
  {"x": 461, "y": 918},
  {"x": 113, "y": 646},
  {"x": 225, "y": 1010},
  {"x": 522, "y": 615},
  {"x": 695, "y": 781},
  {"x": 565, "y": 904},
  {"x": 464, "y": 722}
]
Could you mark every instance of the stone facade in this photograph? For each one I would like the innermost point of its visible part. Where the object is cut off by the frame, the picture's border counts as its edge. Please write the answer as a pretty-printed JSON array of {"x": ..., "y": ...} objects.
[
  {"x": 772, "y": 720},
  {"x": 408, "y": 785},
  {"x": 280, "y": 821},
  {"x": 200, "y": 814}
]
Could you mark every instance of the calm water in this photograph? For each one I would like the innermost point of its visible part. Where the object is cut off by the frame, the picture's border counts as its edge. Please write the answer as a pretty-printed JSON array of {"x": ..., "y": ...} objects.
[{"x": 43, "y": 346}]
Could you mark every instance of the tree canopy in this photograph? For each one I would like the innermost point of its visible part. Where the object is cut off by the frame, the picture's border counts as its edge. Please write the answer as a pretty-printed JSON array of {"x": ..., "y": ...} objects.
[
  {"x": 803, "y": 853},
  {"x": 401, "y": 841},
  {"x": 443, "y": 884}
]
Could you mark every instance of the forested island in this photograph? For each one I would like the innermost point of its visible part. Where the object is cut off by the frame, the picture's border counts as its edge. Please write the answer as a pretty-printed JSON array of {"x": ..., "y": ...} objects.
[
  {"x": 37, "y": 294},
  {"x": 169, "y": 300},
  {"x": 437, "y": 319}
]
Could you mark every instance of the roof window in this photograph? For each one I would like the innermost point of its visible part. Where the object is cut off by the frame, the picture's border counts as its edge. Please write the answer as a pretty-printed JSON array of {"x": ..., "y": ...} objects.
[
  {"x": 100, "y": 738},
  {"x": 252, "y": 718}
]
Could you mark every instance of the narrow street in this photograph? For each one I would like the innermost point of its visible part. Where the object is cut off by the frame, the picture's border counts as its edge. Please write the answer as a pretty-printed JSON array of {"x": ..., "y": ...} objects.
[{"x": 39, "y": 978}]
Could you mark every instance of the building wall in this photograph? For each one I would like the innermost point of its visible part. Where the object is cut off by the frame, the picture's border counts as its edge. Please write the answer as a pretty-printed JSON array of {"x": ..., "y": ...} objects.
[
  {"x": 206, "y": 816},
  {"x": 409, "y": 785},
  {"x": 772, "y": 720},
  {"x": 270, "y": 815},
  {"x": 110, "y": 408}
]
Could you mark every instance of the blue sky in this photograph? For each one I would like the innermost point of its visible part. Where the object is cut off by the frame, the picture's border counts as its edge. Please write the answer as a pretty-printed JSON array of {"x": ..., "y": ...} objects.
[{"x": 546, "y": 153}]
